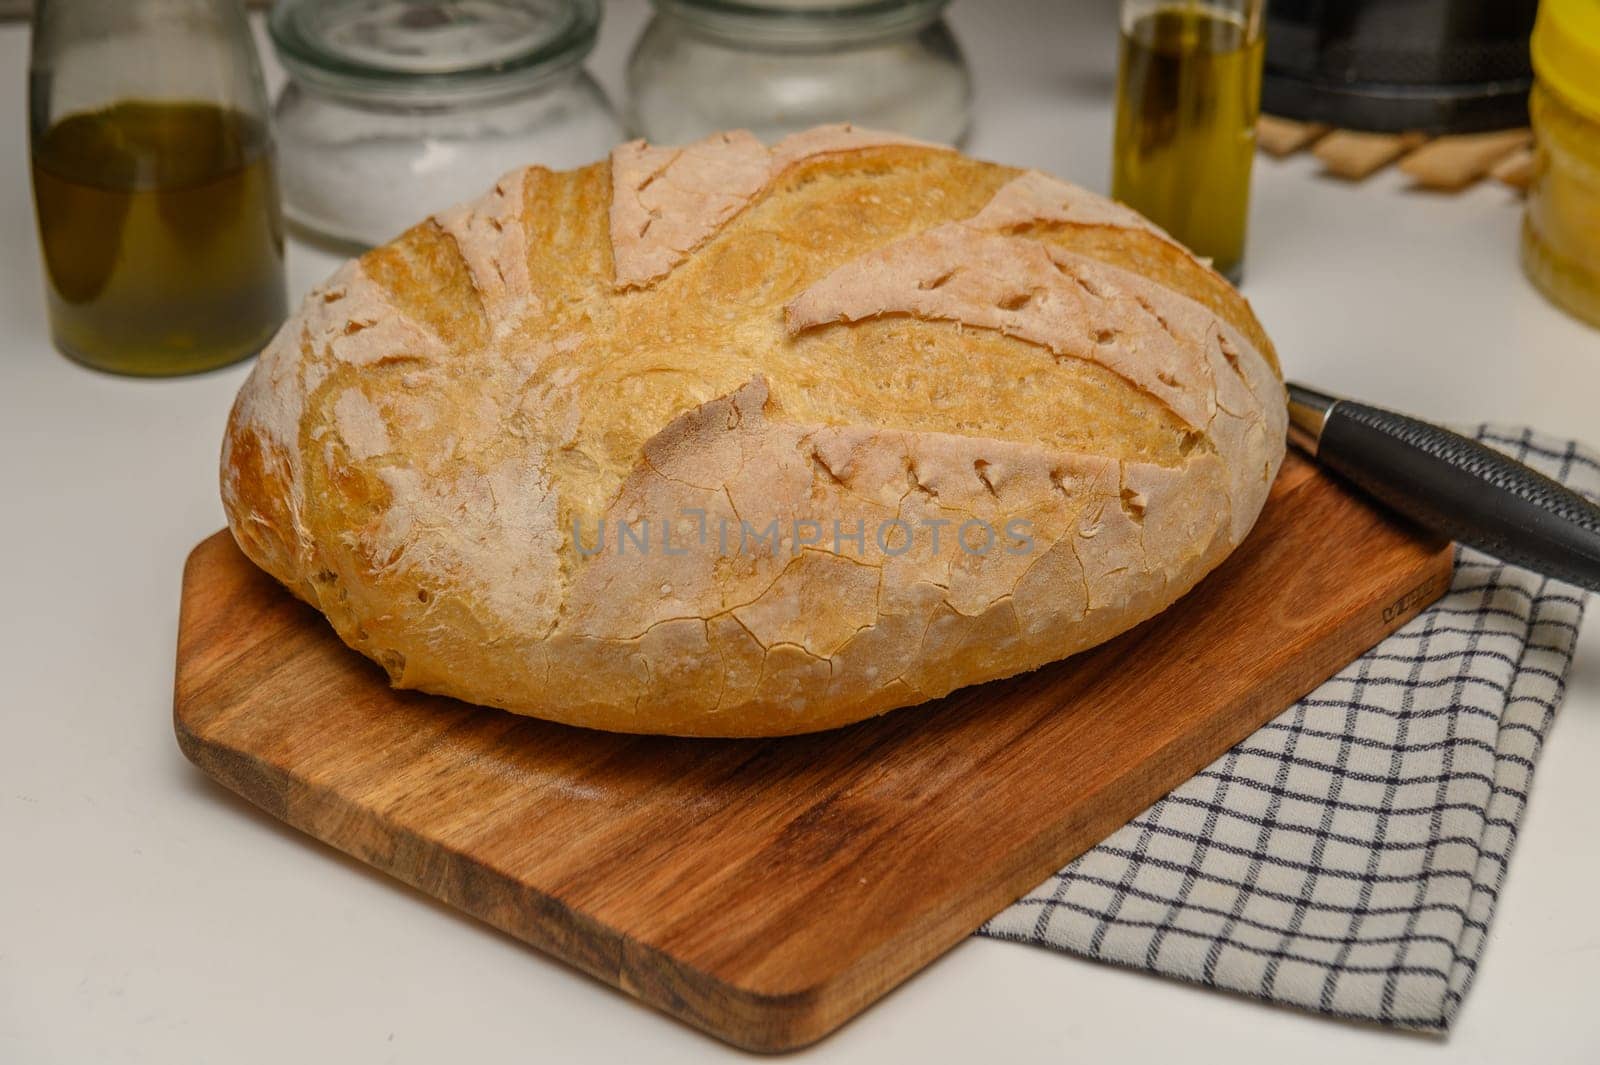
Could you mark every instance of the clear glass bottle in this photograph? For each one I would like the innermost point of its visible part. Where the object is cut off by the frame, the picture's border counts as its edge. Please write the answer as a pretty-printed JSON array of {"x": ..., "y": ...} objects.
[
  {"x": 1188, "y": 94},
  {"x": 778, "y": 66},
  {"x": 154, "y": 184},
  {"x": 399, "y": 108}
]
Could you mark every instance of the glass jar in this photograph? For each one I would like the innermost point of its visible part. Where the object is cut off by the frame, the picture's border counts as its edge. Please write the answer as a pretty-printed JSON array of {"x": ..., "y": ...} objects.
[
  {"x": 778, "y": 66},
  {"x": 154, "y": 184},
  {"x": 396, "y": 109},
  {"x": 1561, "y": 228}
]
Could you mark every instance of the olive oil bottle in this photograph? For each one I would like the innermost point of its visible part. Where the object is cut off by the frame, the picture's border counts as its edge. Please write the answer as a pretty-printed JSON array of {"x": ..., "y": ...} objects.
[
  {"x": 160, "y": 228},
  {"x": 1188, "y": 94},
  {"x": 161, "y": 235}
]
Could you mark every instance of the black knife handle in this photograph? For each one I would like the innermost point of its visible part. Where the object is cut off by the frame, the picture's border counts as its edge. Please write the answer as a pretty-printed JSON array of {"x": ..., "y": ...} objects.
[{"x": 1456, "y": 486}]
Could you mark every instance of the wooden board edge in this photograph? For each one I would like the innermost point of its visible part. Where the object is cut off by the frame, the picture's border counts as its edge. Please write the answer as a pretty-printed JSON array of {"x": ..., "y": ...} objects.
[
  {"x": 897, "y": 960},
  {"x": 749, "y": 1019},
  {"x": 746, "y": 1017},
  {"x": 785, "y": 1021}
]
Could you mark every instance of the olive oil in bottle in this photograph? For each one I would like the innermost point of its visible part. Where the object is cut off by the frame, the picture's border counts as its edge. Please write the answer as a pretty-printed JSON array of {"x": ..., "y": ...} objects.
[
  {"x": 162, "y": 235},
  {"x": 1188, "y": 93}
]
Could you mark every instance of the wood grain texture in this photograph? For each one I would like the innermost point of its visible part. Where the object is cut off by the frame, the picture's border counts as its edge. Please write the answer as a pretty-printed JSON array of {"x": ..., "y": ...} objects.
[{"x": 768, "y": 890}]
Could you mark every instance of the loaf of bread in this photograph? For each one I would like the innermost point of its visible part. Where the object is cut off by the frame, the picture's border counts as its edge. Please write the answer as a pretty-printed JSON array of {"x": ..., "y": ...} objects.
[{"x": 738, "y": 440}]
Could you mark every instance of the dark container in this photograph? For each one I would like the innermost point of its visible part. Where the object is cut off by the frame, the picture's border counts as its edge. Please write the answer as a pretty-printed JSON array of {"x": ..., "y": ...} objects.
[{"x": 1440, "y": 66}]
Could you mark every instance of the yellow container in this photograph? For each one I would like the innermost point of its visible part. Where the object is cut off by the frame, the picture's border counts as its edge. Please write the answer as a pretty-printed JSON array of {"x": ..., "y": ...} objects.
[{"x": 1561, "y": 230}]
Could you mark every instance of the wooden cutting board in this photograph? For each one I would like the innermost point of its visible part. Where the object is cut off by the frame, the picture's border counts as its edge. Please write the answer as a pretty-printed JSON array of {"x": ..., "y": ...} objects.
[{"x": 766, "y": 891}]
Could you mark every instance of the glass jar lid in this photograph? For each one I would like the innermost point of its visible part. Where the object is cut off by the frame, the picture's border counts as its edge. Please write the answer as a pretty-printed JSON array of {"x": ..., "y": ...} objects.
[
  {"x": 803, "y": 22},
  {"x": 417, "y": 49}
]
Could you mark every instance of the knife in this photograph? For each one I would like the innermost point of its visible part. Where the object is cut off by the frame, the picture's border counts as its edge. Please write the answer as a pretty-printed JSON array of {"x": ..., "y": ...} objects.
[{"x": 1452, "y": 485}]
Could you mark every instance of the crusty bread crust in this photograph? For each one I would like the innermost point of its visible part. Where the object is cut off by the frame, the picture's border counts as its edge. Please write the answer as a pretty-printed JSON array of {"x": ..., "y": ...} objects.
[{"x": 851, "y": 342}]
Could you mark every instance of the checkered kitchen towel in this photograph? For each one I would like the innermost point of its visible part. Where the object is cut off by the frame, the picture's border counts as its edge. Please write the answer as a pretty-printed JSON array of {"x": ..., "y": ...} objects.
[{"x": 1346, "y": 857}]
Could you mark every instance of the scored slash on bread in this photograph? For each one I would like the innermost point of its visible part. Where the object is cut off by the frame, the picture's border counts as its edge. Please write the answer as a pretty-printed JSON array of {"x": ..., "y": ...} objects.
[
  {"x": 846, "y": 327},
  {"x": 666, "y": 202}
]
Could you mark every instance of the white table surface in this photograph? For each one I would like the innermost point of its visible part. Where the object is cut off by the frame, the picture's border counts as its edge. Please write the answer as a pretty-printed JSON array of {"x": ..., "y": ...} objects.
[{"x": 147, "y": 915}]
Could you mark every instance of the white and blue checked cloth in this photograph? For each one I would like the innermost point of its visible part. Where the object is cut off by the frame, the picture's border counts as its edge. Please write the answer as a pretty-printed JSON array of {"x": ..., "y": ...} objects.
[{"x": 1346, "y": 858}]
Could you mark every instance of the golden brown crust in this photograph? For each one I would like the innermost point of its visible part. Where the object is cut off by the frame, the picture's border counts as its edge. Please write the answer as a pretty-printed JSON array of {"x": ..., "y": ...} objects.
[{"x": 707, "y": 345}]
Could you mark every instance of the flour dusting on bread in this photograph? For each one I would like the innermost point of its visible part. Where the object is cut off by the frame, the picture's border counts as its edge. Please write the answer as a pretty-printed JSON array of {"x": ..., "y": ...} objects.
[
  {"x": 493, "y": 243},
  {"x": 665, "y": 202}
]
